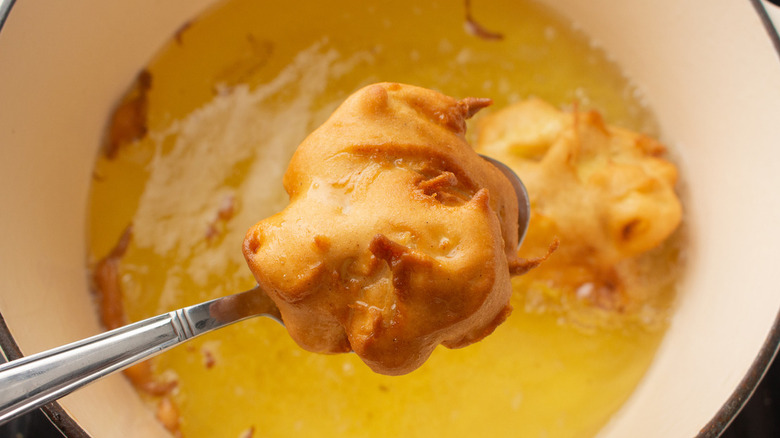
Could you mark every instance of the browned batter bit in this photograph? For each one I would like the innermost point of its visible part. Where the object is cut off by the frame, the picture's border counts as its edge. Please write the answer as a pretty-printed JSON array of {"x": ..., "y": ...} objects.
[{"x": 128, "y": 122}]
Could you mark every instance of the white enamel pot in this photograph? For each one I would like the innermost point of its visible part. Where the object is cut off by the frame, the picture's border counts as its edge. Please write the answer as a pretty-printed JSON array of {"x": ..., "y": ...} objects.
[{"x": 710, "y": 70}]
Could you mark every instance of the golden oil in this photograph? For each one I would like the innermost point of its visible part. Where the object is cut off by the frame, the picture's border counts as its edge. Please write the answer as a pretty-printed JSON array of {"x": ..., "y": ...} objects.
[{"x": 231, "y": 96}]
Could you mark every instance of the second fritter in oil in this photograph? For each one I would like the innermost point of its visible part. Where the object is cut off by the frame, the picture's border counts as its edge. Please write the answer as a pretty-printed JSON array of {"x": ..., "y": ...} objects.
[{"x": 609, "y": 195}]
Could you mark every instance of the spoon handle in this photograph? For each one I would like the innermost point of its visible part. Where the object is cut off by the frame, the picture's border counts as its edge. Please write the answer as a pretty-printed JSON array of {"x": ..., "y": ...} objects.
[{"x": 32, "y": 381}]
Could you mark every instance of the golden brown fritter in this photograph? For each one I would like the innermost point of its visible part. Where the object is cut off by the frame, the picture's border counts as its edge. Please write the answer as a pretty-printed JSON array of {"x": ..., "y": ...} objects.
[
  {"x": 607, "y": 193},
  {"x": 398, "y": 236}
]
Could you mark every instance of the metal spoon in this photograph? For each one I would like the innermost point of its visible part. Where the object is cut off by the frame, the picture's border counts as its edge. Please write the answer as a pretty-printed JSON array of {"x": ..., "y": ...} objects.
[
  {"x": 30, "y": 382},
  {"x": 523, "y": 202}
]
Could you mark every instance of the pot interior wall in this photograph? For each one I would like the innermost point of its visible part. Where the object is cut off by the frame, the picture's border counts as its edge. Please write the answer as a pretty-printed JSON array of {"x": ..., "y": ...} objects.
[
  {"x": 64, "y": 66},
  {"x": 708, "y": 69}
]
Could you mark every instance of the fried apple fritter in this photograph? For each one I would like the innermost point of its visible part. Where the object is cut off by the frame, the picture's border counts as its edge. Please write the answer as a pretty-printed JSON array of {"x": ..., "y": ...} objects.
[
  {"x": 398, "y": 236},
  {"x": 607, "y": 193}
]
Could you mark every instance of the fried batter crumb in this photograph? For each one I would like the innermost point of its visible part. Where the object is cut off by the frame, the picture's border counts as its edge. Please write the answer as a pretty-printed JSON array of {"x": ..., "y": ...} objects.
[
  {"x": 128, "y": 122},
  {"x": 168, "y": 415}
]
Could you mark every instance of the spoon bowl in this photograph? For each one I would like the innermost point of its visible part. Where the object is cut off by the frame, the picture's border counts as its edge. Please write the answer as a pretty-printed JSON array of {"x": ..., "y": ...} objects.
[{"x": 523, "y": 203}]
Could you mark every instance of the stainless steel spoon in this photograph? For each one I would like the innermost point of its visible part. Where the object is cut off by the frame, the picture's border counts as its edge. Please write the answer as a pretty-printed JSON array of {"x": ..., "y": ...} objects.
[
  {"x": 523, "y": 202},
  {"x": 30, "y": 382}
]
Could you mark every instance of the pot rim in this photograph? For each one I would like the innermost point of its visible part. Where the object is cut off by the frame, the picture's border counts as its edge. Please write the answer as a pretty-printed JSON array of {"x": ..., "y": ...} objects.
[{"x": 9, "y": 349}]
